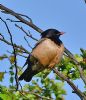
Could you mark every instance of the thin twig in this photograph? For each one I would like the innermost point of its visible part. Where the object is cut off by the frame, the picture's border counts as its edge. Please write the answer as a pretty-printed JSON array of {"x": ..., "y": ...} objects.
[
  {"x": 26, "y": 17},
  {"x": 24, "y": 93},
  {"x": 16, "y": 54},
  {"x": 12, "y": 20},
  {"x": 28, "y": 42},
  {"x": 29, "y": 35},
  {"x": 37, "y": 95},
  {"x": 16, "y": 74},
  {"x": 22, "y": 55},
  {"x": 2, "y": 36},
  {"x": 20, "y": 15}
]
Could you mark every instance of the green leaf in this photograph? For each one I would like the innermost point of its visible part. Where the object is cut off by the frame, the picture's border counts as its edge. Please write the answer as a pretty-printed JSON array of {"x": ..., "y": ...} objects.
[
  {"x": 1, "y": 76},
  {"x": 83, "y": 53},
  {"x": 79, "y": 58},
  {"x": 12, "y": 59},
  {"x": 11, "y": 79},
  {"x": 17, "y": 93},
  {"x": 11, "y": 67},
  {"x": 11, "y": 72},
  {"x": 31, "y": 96},
  {"x": 1, "y": 98},
  {"x": 3, "y": 56},
  {"x": 19, "y": 51},
  {"x": 5, "y": 97}
]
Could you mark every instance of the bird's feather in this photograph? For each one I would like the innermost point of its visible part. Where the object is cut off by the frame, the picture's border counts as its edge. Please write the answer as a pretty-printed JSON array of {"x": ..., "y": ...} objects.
[{"x": 46, "y": 54}]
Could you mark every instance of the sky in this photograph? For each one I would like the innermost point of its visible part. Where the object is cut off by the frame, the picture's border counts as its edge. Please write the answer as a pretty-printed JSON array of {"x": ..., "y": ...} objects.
[{"x": 64, "y": 15}]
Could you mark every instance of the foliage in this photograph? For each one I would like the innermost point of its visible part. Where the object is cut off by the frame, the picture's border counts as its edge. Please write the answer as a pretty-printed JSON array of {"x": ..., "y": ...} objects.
[{"x": 43, "y": 86}]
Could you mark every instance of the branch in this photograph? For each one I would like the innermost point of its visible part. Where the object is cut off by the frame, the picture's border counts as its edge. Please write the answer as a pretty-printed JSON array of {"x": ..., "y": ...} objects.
[
  {"x": 42, "y": 97},
  {"x": 29, "y": 92},
  {"x": 85, "y": 1},
  {"x": 37, "y": 95},
  {"x": 76, "y": 90},
  {"x": 3, "y": 8},
  {"x": 70, "y": 55},
  {"x": 16, "y": 46}
]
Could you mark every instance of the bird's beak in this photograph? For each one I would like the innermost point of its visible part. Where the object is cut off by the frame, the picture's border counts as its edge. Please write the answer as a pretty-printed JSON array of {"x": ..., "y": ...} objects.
[{"x": 61, "y": 33}]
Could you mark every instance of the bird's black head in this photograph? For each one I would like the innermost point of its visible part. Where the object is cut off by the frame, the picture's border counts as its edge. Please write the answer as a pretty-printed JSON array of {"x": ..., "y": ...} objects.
[{"x": 52, "y": 34}]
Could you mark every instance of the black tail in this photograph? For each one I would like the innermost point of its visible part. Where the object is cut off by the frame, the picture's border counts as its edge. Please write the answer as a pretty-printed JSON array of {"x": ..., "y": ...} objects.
[
  {"x": 27, "y": 75},
  {"x": 30, "y": 71}
]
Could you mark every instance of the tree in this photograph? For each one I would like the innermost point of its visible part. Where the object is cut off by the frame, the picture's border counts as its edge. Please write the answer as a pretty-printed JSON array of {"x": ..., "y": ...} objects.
[{"x": 71, "y": 67}]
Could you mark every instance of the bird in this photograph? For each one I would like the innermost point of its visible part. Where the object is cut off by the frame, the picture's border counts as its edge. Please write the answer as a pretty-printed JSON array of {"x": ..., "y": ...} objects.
[{"x": 47, "y": 52}]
